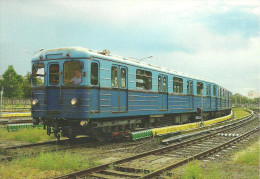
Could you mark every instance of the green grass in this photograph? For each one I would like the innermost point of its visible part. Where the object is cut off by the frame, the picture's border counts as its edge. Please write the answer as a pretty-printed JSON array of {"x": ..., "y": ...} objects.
[
  {"x": 249, "y": 156},
  {"x": 193, "y": 170},
  {"x": 33, "y": 135},
  {"x": 247, "y": 161},
  {"x": 239, "y": 112},
  {"x": 45, "y": 165}
]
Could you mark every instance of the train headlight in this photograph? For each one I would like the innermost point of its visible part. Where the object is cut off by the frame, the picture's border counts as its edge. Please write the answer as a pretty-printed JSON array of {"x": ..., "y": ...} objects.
[
  {"x": 34, "y": 102},
  {"x": 83, "y": 123},
  {"x": 74, "y": 102}
]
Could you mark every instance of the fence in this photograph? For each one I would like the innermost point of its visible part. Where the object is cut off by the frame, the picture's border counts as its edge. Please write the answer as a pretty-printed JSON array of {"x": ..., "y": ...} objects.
[
  {"x": 7, "y": 101},
  {"x": 15, "y": 105}
]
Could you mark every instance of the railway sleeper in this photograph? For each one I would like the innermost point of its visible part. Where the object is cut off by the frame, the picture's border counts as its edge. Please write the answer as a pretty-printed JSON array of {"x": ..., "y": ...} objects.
[
  {"x": 99, "y": 175},
  {"x": 120, "y": 174}
]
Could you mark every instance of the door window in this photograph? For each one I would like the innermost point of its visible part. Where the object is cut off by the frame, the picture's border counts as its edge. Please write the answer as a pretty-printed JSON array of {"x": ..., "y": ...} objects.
[
  {"x": 114, "y": 77},
  {"x": 123, "y": 77},
  {"x": 54, "y": 77},
  {"x": 189, "y": 87},
  {"x": 165, "y": 84},
  {"x": 159, "y": 83},
  {"x": 94, "y": 73}
]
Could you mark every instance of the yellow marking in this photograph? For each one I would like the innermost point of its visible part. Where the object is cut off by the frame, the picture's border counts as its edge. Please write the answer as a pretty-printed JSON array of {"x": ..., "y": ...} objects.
[
  {"x": 194, "y": 125},
  {"x": 16, "y": 115}
]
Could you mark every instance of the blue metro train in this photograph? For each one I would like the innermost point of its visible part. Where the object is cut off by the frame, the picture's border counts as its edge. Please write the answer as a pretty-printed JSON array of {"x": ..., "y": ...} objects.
[{"x": 77, "y": 91}]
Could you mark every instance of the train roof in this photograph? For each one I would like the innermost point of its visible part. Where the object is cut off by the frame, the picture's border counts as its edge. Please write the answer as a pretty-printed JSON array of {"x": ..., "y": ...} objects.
[{"x": 87, "y": 53}]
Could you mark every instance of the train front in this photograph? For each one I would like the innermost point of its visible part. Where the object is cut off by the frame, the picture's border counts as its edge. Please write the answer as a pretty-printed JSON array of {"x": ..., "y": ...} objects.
[{"x": 59, "y": 91}]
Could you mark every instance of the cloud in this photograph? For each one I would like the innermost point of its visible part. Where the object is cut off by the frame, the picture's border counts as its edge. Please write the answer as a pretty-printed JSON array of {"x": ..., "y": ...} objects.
[
  {"x": 233, "y": 21},
  {"x": 218, "y": 40}
]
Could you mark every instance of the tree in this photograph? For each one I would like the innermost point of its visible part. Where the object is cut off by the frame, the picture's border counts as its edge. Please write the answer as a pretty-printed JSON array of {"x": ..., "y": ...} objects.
[
  {"x": 27, "y": 85},
  {"x": 12, "y": 83}
]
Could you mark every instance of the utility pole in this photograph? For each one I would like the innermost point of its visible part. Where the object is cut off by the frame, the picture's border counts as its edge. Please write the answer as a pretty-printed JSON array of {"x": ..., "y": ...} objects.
[
  {"x": 1, "y": 94},
  {"x": 202, "y": 122}
]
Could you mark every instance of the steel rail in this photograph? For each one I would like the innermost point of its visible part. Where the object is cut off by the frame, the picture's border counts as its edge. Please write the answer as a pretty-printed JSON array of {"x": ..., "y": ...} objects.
[
  {"x": 15, "y": 117},
  {"x": 200, "y": 155},
  {"x": 10, "y": 158},
  {"x": 44, "y": 143},
  {"x": 156, "y": 151},
  {"x": 23, "y": 121}
]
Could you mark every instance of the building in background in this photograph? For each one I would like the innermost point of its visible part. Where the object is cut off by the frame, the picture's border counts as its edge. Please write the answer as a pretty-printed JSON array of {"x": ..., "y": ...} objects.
[{"x": 253, "y": 94}]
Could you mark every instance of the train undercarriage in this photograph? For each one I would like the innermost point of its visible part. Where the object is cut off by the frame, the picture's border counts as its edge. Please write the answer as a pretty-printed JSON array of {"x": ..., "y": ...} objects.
[{"x": 107, "y": 129}]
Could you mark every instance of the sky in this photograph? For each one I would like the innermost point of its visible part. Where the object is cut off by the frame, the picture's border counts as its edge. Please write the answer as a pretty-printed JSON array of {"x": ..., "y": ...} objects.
[{"x": 216, "y": 40}]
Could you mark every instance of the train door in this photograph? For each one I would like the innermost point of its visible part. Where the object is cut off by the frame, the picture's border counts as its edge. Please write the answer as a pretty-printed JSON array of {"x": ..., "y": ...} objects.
[
  {"x": 119, "y": 94},
  {"x": 53, "y": 94},
  {"x": 163, "y": 92},
  {"x": 208, "y": 92},
  {"x": 95, "y": 90},
  {"x": 189, "y": 93}
]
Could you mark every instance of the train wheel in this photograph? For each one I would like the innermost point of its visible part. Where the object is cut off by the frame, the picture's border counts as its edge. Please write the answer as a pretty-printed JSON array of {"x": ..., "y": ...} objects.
[
  {"x": 104, "y": 139},
  {"x": 72, "y": 136}
]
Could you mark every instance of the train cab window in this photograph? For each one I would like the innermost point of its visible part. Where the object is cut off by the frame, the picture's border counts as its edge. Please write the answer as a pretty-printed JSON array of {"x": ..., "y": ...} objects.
[
  {"x": 177, "y": 85},
  {"x": 94, "y": 73},
  {"x": 165, "y": 84},
  {"x": 214, "y": 90},
  {"x": 189, "y": 87},
  {"x": 123, "y": 77},
  {"x": 54, "y": 75},
  {"x": 72, "y": 72},
  {"x": 114, "y": 77},
  {"x": 143, "y": 80},
  {"x": 208, "y": 89},
  {"x": 38, "y": 74},
  {"x": 200, "y": 88}
]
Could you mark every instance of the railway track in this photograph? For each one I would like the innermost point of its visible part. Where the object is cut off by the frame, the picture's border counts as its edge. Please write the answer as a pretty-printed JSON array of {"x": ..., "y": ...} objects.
[
  {"x": 67, "y": 144},
  {"x": 51, "y": 146},
  {"x": 20, "y": 121},
  {"x": 149, "y": 164}
]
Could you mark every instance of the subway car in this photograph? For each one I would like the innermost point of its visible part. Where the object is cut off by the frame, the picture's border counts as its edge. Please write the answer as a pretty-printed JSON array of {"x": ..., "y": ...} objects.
[{"x": 77, "y": 91}]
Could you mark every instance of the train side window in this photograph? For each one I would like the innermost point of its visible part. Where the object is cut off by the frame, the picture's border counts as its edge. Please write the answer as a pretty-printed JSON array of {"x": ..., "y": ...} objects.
[
  {"x": 54, "y": 75},
  {"x": 214, "y": 90},
  {"x": 114, "y": 77},
  {"x": 189, "y": 87},
  {"x": 165, "y": 84},
  {"x": 177, "y": 85},
  {"x": 208, "y": 89},
  {"x": 143, "y": 80},
  {"x": 123, "y": 77},
  {"x": 38, "y": 74},
  {"x": 199, "y": 88},
  {"x": 159, "y": 83},
  {"x": 94, "y": 73}
]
